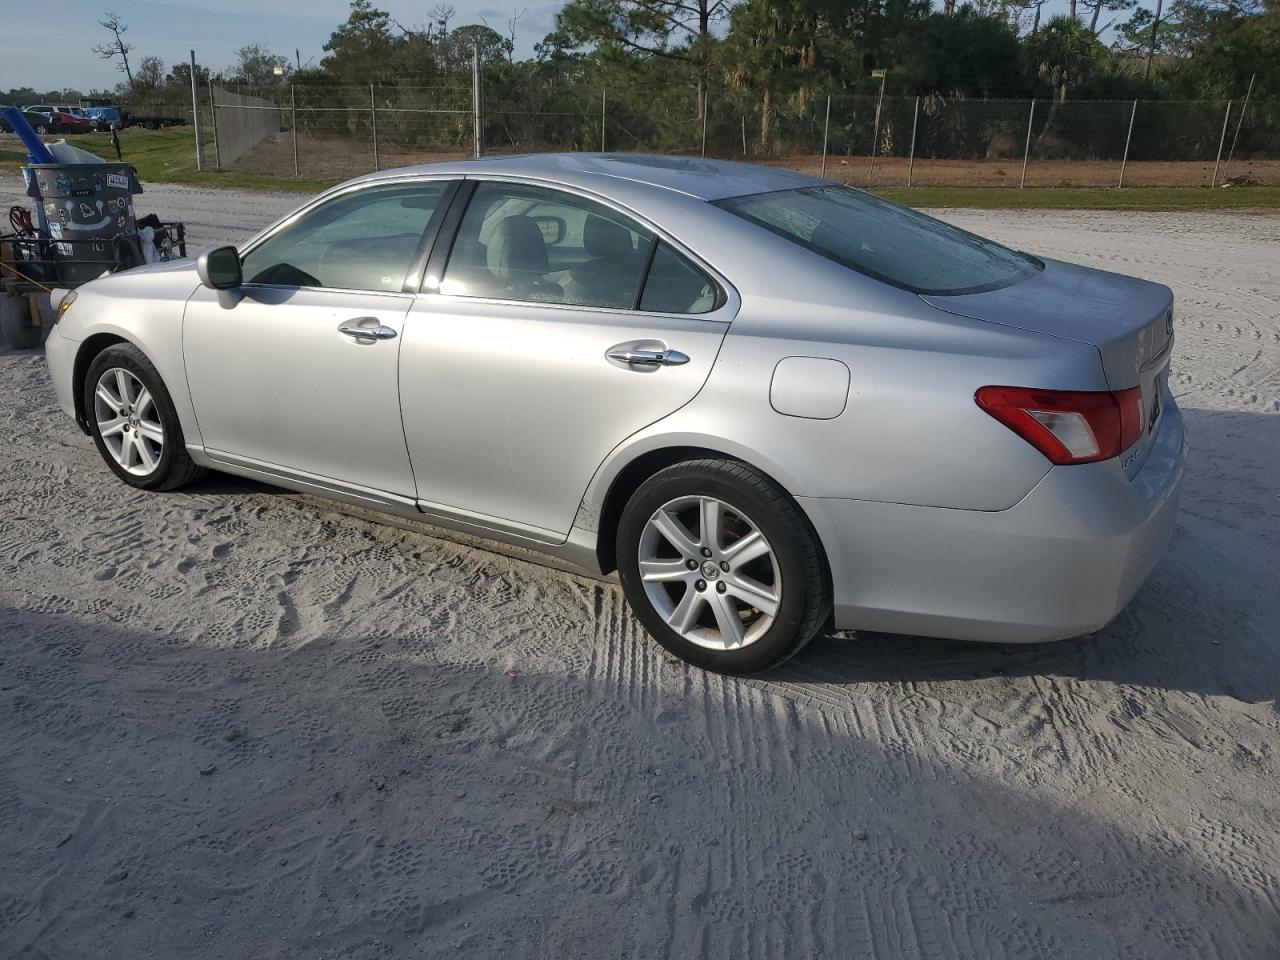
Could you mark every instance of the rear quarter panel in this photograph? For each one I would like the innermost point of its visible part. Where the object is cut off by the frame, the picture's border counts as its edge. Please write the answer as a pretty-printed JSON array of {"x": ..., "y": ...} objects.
[{"x": 910, "y": 431}]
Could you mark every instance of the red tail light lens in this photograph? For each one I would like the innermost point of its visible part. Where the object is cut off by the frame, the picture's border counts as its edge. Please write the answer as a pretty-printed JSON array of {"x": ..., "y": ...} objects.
[{"x": 1068, "y": 426}]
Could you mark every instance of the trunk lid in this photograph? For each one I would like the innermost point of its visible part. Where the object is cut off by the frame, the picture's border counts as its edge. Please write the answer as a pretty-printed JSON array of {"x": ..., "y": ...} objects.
[{"x": 1129, "y": 321}]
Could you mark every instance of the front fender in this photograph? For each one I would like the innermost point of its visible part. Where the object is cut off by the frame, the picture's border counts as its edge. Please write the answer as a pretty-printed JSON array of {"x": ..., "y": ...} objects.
[{"x": 144, "y": 314}]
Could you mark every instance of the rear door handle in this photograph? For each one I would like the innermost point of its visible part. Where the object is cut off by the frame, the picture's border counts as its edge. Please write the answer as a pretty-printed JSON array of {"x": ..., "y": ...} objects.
[
  {"x": 366, "y": 328},
  {"x": 648, "y": 358}
]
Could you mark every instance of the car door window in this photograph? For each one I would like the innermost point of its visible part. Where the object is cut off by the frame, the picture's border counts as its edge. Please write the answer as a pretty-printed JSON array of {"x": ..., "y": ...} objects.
[
  {"x": 363, "y": 240},
  {"x": 531, "y": 243},
  {"x": 674, "y": 285}
]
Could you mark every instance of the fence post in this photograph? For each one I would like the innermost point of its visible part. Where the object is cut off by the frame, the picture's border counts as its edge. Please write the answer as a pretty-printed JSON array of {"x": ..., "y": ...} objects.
[
  {"x": 293, "y": 117},
  {"x": 1239, "y": 123},
  {"x": 1221, "y": 140},
  {"x": 195, "y": 112},
  {"x": 213, "y": 119},
  {"x": 1031, "y": 117},
  {"x": 604, "y": 108},
  {"x": 911, "y": 160},
  {"x": 1128, "y": 137},
  {"x": 373, "y": 123},
  {"x": 706, "y": 97},
  {"x": 475, "y": 101},
  {"x": 744, "y": 134},
  {"x": 826, "y": 128}
]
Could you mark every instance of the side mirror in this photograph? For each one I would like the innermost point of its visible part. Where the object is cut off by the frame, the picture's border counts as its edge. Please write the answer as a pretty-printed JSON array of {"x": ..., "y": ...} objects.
[{"x": 220, "y": 269}]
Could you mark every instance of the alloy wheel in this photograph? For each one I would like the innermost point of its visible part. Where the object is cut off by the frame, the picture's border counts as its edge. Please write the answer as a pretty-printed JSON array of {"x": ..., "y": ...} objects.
[
  {"x": 128, "y": 421},
  {"x": 709, "y": 572}
]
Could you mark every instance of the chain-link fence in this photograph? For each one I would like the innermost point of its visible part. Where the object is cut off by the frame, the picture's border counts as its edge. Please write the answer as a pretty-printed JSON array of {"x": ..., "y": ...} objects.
[{"x": 334, "y": 131}]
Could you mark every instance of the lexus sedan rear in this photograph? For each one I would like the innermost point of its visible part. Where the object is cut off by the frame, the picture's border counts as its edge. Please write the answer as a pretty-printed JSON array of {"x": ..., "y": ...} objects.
[{"x": 771, "y": 403}]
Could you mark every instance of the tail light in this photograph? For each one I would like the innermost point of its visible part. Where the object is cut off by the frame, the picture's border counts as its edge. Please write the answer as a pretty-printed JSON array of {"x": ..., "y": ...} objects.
[{"x": 1068, "y": 426}]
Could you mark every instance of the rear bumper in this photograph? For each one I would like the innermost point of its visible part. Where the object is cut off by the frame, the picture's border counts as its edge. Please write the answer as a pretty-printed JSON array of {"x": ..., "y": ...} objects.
[{"x": 1060, "y": 563}]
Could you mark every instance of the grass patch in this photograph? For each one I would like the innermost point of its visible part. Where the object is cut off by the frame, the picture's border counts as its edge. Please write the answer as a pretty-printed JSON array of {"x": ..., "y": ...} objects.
[{"x": 1087, "y": 198}]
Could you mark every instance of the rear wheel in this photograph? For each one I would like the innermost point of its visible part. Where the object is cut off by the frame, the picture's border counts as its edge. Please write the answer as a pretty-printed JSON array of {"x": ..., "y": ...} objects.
[
  {"x": 133, "y": 421},
  {"x": 722, "y": 567}
]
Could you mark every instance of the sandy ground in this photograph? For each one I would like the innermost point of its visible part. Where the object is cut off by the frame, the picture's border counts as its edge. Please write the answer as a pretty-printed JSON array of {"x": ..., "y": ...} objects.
[{"x": 236, "y": 723}]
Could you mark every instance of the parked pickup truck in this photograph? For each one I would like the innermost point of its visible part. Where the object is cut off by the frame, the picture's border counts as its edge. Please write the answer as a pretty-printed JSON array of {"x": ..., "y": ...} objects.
[{"x": 107, "y": 115}]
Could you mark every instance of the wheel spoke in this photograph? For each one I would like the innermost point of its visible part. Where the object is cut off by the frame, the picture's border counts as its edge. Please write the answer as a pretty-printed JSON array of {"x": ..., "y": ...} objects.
[
  {"x": 152, "y": 431},
  {"x": 109, "y": 428},
  {"x": 751, "y": 547},
  {"x": 142, "y": 401},
  {"x": 127, "y": 450},
  {"x": 710, "y": 517},
  {"x": 660, "y": 571},
  {"x": 675, "y": 532},
  {"x": 727, "y": 620},
  {"x": 122, "y": 386},
  {"x": 145, "y": 456},
  {"x": 685, "y": 615},
  {"x": 104, "y": 394},
  {"x": 753, "y": 594}
]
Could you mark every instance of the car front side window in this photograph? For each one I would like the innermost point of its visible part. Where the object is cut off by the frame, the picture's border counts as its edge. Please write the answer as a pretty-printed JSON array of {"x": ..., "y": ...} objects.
[{"x": 363, "y": 240}]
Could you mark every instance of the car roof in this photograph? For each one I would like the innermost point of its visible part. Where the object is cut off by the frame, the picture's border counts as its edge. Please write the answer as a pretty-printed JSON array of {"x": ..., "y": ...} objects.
[{"x": 694, "y": 176}]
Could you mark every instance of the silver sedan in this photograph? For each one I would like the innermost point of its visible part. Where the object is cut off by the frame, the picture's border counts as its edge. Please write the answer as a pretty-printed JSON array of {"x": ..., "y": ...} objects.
[{"x": 771, "y": 403}]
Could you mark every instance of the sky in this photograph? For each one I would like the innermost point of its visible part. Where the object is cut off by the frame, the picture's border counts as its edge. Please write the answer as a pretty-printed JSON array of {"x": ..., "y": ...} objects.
[{"x": 47, "y": 45}]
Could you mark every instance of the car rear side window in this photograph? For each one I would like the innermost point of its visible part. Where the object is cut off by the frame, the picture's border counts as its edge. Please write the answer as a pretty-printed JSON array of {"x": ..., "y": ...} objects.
[
  {"x": 363, "y": 240},
  {"x": 883, "y": 240},
  {"x": 520, "y": 242},
  {"x": 674, "y": 285}
]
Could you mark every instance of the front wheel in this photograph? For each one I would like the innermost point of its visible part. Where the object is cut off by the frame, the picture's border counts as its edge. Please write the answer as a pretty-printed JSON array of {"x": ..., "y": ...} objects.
[
  {"x": 134, "y": 423},
  {"x": 722, "y": 567}
]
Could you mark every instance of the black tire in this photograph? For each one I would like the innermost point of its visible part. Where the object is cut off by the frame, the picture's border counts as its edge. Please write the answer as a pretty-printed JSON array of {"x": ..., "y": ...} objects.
[
  {"x": 175, "y": 466},
  {"x": 15, "y": 320},
  {"x": 805, "y": 601}
]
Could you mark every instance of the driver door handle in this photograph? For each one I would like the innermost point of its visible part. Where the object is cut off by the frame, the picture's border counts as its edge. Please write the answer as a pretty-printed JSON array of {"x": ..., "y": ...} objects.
[
  {"x": 648, "y": 358},
  {"x": 366, "y": 328}
]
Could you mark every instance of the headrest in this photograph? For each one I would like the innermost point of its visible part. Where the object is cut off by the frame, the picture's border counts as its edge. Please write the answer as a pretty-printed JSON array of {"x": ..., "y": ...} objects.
[
  {"x": 603, "y": 238},
  {"x": 516, "y": 250}
]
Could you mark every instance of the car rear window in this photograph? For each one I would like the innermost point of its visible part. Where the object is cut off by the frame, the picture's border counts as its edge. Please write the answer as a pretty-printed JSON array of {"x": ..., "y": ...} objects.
[{"x": 885, "y": 241}]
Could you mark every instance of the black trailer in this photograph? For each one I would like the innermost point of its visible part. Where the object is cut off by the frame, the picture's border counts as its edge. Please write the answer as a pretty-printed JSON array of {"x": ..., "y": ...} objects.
[{"x": 32, "y": 264}]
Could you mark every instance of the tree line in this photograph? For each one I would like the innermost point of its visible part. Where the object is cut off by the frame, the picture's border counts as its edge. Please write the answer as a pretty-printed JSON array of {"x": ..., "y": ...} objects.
[{"x": 659, "y": 62}]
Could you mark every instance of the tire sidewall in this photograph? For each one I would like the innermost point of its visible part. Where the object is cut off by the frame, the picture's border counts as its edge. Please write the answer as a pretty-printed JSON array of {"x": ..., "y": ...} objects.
[
  {"x": 132, "y": 359},
  {"x": 712, "y": 481}
]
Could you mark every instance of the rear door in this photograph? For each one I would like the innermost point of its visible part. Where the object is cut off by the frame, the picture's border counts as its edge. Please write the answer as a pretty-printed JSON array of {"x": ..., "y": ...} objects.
[{"x": 553, "y": 328}]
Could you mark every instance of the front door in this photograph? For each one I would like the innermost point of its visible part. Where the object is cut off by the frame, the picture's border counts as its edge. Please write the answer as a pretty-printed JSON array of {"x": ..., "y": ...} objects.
[
  {"x": 299, "y": 373},
  {"x": 559, "y": 330}
]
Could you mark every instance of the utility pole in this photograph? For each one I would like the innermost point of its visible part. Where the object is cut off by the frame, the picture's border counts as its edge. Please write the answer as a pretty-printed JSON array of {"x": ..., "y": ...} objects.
[
  {"x": 875, "y": 136},
  {"x": 213, "y": 120},
  {"x": 1239, "y": 123},
  {"x": 475, "y": 100},
  {"x": 195, "y": 112},
  {"x": 826, "y": 128}
]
